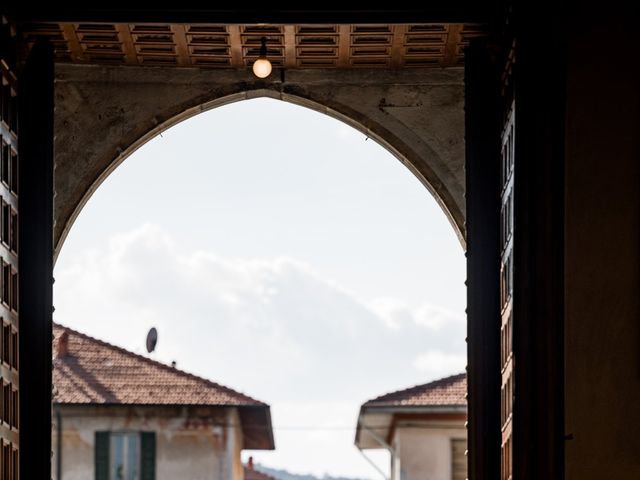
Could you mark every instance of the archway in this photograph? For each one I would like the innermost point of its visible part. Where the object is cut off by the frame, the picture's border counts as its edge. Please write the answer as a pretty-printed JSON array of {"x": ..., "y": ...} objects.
[
  {"x": 60, "y": 283},
  {"x": 416, "y": 114}
]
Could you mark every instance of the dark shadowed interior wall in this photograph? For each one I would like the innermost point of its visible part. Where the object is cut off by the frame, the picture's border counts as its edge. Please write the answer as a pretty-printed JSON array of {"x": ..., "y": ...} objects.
[{"x": 602, "y": 251}]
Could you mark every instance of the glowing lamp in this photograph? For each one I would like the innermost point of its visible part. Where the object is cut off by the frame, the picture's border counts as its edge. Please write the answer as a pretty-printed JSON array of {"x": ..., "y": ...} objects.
[{"x": 262, "y": 66}]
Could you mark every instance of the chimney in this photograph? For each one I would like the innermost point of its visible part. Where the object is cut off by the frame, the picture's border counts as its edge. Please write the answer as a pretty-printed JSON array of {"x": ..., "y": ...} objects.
[
  {"x": 62, "y": 345},
  {"x": 250, "y": 463}
]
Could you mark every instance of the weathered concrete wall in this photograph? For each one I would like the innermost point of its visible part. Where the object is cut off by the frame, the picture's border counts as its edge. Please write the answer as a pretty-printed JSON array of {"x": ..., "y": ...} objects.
[
  {"x": 235, "y": 446},
  {"x": 425, "y": 453},
  {"x": 187, "y": 445},
  {"x": 104, "y": 113},
  {"x": 602, "y": 255}
]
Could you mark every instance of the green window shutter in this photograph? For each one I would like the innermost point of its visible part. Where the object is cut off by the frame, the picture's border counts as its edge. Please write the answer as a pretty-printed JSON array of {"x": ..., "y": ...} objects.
[
  {"x": 102, "y": 455},
  {"x": 148, "y": 455}
]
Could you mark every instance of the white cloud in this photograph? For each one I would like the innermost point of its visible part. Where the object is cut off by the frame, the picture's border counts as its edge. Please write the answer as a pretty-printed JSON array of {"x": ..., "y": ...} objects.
[
  {"x": 397, "y": 313},
  {"x": 393, "y": 311},
  {"x": 439, "y": 364},
  {"x": 436, "y": 317},
  {"x": 271, "y": 327}
]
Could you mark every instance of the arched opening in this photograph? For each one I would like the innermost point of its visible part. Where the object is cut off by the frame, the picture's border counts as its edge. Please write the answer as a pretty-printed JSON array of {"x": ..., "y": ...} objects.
[
  {"x": 364, "y": 322},
  {"x": 427, "y": 140}
]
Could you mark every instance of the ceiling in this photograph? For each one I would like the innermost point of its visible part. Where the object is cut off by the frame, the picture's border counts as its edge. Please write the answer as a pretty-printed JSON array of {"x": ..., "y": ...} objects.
[{"x": 237, "y": 46}]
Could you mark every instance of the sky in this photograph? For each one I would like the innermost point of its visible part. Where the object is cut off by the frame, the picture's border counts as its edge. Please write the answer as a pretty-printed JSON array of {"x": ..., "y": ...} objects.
[{"x": 281, "y": 253}]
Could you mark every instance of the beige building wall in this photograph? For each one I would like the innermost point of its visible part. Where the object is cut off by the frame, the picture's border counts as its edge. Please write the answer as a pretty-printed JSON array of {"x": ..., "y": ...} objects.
[
  {"x": 189, "y": 444},
  {"x": 235, "y": 446},
  {"x": 423, "y": 451}
]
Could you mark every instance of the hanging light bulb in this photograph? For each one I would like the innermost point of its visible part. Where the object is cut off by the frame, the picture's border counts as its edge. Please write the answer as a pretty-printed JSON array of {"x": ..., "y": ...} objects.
[{"x": 262, "y": 66}]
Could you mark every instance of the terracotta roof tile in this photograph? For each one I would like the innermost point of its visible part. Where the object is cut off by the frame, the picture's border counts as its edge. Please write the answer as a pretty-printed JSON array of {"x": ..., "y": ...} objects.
[
  {"x": 448, "y": 391},
  {"x": 95, "y": 372}
]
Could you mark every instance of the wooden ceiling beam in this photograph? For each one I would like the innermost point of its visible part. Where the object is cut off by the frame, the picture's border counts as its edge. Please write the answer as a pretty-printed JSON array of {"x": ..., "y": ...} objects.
[
  {"x": 70, "y": 35},
  {"x": 126, "y": 39},
  {"x": 344, "y": 45},
  {"x": 397, "y": 45},
  {"x": 341, "y": 46},
  {"x": 450, "y": 57},
  {"x": 182, "y": 46},
  {"x": 235, "y": 45},
  {"x": 290, "y": 46},
  {"x": 437, "y": 11}
]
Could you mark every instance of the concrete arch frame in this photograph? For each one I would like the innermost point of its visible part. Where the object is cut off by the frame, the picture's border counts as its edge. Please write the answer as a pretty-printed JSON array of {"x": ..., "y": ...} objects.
[{"x": 103, "y": 114}]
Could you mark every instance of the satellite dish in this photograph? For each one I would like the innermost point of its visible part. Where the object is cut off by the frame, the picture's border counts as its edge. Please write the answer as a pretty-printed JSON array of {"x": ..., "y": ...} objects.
[{"x": 152, "y": 339}]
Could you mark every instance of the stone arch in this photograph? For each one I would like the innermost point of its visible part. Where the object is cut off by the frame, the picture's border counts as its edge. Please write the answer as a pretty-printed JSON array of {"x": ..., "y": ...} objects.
[{"x": 106, "y": 113}]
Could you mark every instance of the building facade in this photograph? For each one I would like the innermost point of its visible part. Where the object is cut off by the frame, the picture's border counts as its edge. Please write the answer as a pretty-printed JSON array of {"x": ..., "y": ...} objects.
[
  {"x": 122, "y": 416},
  {"x": 422, "y": 427}
]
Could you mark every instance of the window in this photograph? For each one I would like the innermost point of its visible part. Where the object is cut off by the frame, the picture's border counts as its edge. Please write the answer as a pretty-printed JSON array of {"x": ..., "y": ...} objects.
[
  {"x": 5, "y": 161},
  {"x": 7, "y": 405},
  {"x": 125, "y": 455},
  {"x": 13, "y": 297},
  {"x": 6, "y": 221},
  {"x": 6, "y": 283},
  {"x": 6, "y": 343},
  {"x": 124, "y": 459},
  {"x": 8, "y": 461},
  {"x": 13, "y": 233}
]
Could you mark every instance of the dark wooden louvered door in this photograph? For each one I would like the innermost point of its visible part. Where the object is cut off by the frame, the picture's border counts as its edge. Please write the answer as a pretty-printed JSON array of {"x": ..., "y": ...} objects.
[
  {"x": 533, "y": 105},
  {"x": 515, "y": 224},
  {"x": 507, "y": 360},
  {"x": 9, "y": 325}
]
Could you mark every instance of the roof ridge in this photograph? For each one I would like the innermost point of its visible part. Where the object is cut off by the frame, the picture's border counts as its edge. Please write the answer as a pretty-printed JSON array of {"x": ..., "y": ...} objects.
[
  {"x": 169, "y": 368},
  {"x": 425, "y": 386}
]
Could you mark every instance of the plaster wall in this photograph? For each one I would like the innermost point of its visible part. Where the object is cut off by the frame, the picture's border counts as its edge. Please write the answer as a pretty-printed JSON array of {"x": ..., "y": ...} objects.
[
  {"x": 187, "y": 446},
  {"x": 422, "y": 454}
]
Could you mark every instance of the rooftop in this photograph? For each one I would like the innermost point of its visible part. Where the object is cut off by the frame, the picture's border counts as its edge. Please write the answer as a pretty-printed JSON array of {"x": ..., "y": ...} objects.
[
  {"x": 88, "y": 371},
  {"x": 91, "y": 371},
  {"x": 438, "y": 401},
  {"x": 446, "y": 391}
]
